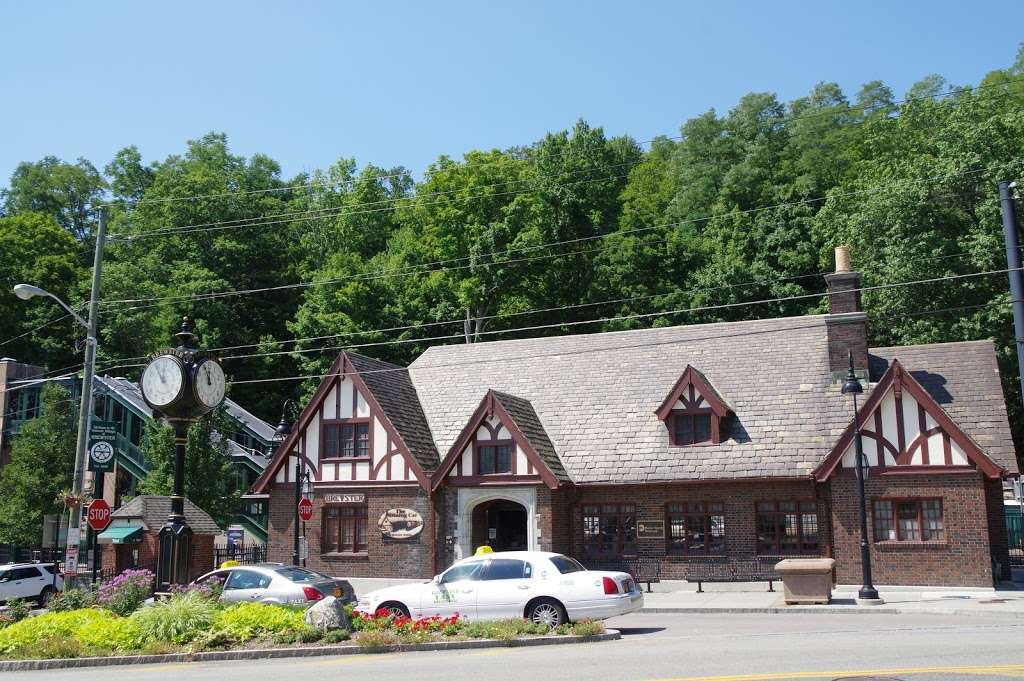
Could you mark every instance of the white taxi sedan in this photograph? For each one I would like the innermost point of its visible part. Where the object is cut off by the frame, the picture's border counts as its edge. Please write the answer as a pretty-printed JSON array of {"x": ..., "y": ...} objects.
[{"x": 546, "y": 588}]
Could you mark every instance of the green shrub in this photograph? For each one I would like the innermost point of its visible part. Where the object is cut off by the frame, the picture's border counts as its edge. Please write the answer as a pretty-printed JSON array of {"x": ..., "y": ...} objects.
[
  {"x": 337, "y": 636},
  {"x": 156, "y": 648},
  {"x": 179, "y": 619},
  {"x": 5, "y": 620},
  {"x": 503, "y": 630},
  {"x": 377, "y": 640},
  {"x": 59, "y": 634},
  {"x": 17, "y": 609},
  {"x": 50, "y": 648},
  {"x": 212, "y": 639},
  {"x": 73, "y": 599},
  {"x": 310, "y": 635},
  {"x": 587, "y": 628},
  {"x": 115, "y": 633},
  {"x": 563, "y": 629},
  {"x": 246, "y": 621}
]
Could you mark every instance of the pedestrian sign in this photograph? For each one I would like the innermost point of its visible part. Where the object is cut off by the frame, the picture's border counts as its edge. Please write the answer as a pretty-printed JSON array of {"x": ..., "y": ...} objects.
[{"x": 102, "y": 438}]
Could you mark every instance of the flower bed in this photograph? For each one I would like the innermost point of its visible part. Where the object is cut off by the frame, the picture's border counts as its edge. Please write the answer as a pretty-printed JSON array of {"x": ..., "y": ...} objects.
[{"x": 113, "y": 621}]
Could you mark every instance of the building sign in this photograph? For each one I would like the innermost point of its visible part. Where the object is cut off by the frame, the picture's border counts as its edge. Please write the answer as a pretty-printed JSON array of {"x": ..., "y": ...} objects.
[
  {"x": 102, "y": 436},
  {"x": 344, "y": 498},
  {"x": 400, "y": 523},
  {"x": 236, "y": 538},
  {"x": 650, "y": 529}
]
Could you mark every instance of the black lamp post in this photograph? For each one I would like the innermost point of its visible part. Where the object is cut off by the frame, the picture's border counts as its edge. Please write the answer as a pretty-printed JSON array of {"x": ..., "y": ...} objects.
[
  {"x": 852, "y": 386},
  {"x": 284, "y": 429}
]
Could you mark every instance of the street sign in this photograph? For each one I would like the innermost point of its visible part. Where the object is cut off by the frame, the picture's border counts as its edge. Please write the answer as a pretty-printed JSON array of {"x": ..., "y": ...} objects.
[
  {"x": 102, "y": 438},
  {"x": 99, "y": 515},
  {"x": 305, "y": 509},
  {"x": 303, "y": 549}
]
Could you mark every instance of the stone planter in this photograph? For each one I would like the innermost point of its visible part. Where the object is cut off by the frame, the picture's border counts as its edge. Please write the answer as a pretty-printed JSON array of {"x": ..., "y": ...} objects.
[{"x": 806, "y": 580}]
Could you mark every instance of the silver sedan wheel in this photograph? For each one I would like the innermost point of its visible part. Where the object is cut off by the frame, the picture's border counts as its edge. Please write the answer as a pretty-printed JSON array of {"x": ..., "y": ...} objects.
[{"x": 547, "y": 614}]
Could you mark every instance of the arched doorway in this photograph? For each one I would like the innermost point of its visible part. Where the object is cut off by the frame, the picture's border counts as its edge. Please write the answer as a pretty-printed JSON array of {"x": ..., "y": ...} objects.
[{"x": 500, "y": 524}]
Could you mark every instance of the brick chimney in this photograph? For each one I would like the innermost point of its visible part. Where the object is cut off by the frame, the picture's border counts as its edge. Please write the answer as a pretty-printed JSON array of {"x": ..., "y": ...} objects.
[{"x": 846, "y": 323}]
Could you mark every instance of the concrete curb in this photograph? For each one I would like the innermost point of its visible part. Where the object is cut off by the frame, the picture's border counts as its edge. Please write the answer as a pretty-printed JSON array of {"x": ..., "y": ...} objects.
[
  {"x": 310, "y": 651},
  {"x": 830, "y": 610}
]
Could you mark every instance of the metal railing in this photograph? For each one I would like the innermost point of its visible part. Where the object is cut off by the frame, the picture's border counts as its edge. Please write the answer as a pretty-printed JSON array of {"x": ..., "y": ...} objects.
[{"x": 246, "y": 554}]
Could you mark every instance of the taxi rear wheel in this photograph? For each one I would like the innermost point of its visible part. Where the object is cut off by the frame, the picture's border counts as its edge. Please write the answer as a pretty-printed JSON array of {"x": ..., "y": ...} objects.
[
  {"x": 394, "y": 609},
  {"x": 546, "y": 611}
]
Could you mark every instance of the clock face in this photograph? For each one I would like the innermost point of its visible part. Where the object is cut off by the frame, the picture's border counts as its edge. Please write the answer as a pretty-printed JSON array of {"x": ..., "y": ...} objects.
[
  {"x": 163, "y": 380},
  {"x": 210, "y": 383}
]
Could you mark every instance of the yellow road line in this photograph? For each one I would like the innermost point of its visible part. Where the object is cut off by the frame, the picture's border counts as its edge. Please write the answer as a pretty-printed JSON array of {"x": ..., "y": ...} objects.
[{"x": 997, "y": 670}]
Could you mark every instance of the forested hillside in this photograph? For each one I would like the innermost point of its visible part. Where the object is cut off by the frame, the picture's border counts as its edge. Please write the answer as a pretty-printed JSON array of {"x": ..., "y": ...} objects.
[{"x": 740, "y": 206}]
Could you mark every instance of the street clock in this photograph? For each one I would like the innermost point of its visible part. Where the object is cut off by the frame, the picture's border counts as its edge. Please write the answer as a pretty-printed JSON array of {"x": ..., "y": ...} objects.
[{"x": 183, "y": 382}]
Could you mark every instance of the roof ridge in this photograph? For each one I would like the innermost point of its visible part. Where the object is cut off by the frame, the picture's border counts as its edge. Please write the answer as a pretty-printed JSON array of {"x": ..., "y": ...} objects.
[
  {"x": 621, "y": 332},
  {"x": 980, "y": 341}
]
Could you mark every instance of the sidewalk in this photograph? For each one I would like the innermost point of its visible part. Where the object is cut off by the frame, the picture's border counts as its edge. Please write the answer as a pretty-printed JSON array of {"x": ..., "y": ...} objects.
[{"x": 755, "y": 598}]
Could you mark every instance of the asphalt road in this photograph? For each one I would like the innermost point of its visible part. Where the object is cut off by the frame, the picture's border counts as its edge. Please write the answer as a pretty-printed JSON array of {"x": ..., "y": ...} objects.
[{"x": 662, "y": 647}]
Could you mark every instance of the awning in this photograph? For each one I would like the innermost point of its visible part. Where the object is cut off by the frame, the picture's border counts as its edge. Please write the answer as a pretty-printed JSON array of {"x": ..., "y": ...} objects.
[{"x": 121, "y": 535}]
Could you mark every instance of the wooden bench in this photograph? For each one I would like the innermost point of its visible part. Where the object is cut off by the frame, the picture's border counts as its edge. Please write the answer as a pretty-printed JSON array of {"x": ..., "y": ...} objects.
[
  {"x": 733, "y": 570},
  {"x": 642, "y": 570}
]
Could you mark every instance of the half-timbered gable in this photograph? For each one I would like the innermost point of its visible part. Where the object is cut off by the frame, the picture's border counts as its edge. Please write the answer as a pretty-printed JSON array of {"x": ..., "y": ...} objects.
[
  {"x": 360, "y": 428},
  {"x": 694, "y": 411},
  {"x": 503, "y": 443},
  {"x": 904, "y": 429}
]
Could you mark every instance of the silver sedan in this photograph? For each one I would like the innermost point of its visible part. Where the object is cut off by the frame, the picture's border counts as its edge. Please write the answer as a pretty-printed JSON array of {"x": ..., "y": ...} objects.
[{"x": 276, "y": 583}]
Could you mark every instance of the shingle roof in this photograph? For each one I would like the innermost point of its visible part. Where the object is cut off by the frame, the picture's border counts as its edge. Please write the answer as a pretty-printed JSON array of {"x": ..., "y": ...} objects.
[
  {"x": 964, "y": 379},
  {"x": 153, "y": 511},
  {"x": 392, "y": 388},
  {"x": 526, "y": 419},
  {"x": 596, "y": 396}
]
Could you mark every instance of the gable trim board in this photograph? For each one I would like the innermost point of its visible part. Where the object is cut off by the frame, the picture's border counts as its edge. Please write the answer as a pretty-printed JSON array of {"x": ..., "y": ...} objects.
[
  {"x": 491, "y": 405},
  {"x": 895, "y": 381},
  {"x": 691, "y": 376},
  {"x": 341, "y": 369}
]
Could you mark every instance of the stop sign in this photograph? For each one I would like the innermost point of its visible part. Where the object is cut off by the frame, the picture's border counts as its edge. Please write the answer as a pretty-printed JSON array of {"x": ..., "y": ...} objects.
[
  {"x": 305, "y": 509},
  {"x": 99, "y": 515}
]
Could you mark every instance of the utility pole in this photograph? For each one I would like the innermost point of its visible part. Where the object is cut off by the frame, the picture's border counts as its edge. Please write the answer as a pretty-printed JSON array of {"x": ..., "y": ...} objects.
[
  {"x": 85, "y": 409},
  {"x": 1013, "y": 259}
]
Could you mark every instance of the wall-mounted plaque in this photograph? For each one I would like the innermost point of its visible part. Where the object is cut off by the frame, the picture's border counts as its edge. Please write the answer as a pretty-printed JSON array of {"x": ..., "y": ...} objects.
[
  {"x": 650, "y": 529},
  {"x": 400, "y": 523},
  {"x": 344, "y": 498}
]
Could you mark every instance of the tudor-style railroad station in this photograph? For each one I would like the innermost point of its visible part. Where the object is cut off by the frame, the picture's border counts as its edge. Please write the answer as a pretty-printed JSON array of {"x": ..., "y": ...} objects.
[{"x": 726, "y": 442}]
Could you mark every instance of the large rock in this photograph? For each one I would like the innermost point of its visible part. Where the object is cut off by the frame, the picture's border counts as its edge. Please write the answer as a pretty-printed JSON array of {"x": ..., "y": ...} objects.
[{"x": 328, "y": 613}]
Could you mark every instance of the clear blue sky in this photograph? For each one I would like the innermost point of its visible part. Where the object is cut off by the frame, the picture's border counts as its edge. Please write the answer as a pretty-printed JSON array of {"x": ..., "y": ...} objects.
[{"x": 403, "y": 82}]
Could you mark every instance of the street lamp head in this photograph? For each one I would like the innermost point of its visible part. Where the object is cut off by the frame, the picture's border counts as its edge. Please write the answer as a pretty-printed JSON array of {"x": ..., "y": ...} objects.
[
  {"x": 26, "y": 291},
  {"x": 852, "y": 386},
  {"x": 284, "y": 426}
]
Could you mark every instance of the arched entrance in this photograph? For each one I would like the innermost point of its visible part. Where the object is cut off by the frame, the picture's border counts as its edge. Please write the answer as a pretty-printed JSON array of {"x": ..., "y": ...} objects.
[
  {"x": 473, "y": 526},
  {"x": 500, "y": 524}
]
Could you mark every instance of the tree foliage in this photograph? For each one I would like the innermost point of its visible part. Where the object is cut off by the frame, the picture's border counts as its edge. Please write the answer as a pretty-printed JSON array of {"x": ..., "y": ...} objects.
[{"x": 41, "y": 465}]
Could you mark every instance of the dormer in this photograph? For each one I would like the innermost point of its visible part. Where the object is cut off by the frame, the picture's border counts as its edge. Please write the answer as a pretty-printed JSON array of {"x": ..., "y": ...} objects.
[{"x": 694, "y": 411}]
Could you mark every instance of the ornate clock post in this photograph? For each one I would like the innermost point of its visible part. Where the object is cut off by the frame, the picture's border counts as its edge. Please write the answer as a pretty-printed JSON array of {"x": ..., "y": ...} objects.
[{"x": 181, "y": 384}]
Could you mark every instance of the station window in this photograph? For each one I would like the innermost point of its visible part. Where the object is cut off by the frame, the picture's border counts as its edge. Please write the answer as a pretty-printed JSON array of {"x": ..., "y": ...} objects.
[
  {"x": 344, "y": 529},
  {"x": 787, "y": 527},
  {"x": 909, "y": 520},
  {"x": 695, "y": 528},
  {"x": 348, "y": 440}
]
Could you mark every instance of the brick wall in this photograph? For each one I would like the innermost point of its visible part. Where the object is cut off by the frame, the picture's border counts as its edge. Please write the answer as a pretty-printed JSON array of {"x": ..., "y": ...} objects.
[
  {"x": 119, "y": 557},
  {"x": 963, "y": 559},
  {"x": 739, "y": 499},
  {"x": 997, "y": 531},
  {"x": 384, "y": 557}
]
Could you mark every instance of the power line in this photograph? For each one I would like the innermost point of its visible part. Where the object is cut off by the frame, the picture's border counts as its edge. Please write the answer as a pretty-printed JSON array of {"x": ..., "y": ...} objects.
[
  {"x": 406, "y": 271},
  {"x": 865, "y": 108},
  {"x": 31, "y": 331},
  {"x": 563, "y": 353},
  {"x": 646, "y": 315}
]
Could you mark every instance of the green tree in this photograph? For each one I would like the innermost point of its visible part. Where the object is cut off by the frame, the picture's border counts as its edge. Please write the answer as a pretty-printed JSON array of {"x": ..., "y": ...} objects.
[
  {"x": 41, "y": 465},
  {"x": 208, "y": 469},
  {"x": 66, "y": 191},
  {"x": 34, "y": 249}
]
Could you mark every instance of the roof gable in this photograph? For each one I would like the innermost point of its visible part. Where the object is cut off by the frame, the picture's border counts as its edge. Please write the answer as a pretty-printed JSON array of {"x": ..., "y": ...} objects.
[
  {"x": 519, "y": 417},
  {"x": 895, "y": 382},
  {"x": 705, "y": 395},
  {"x": 389, "y": 393}
]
